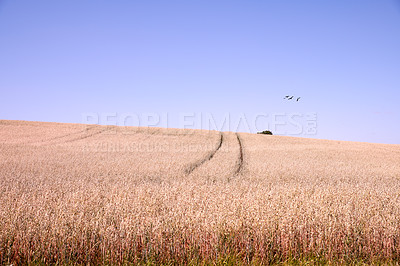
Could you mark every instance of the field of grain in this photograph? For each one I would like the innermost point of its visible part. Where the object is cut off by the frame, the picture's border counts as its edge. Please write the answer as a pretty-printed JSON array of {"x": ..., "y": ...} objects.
[{"x": 72, "y": 193}]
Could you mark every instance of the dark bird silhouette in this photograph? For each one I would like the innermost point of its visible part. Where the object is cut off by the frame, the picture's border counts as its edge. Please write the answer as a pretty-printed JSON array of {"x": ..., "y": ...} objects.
[
  {"x": 287, "y": 96},
  {"x": 298, "y": 99},
  {"x": 290, "y": 98}
]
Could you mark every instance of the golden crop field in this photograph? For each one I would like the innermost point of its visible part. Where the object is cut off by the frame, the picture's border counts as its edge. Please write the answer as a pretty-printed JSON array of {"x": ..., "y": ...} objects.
[{"x": 79, "y": 194}]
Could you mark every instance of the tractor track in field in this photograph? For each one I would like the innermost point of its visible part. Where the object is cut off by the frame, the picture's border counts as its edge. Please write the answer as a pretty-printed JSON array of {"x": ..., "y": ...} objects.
[
  {"x": 49, "y": 140},
  {"x": 240, "y": 160},
  {"x": 86, "y": 136},
  {"x": 239, "y": 166},
  {"x": 67, "y": 135},
  {"x": 209, "y": 156}
]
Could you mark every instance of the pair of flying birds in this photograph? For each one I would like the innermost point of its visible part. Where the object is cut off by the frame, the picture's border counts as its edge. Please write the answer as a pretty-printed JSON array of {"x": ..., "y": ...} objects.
[{"x": 288, "y": 97}]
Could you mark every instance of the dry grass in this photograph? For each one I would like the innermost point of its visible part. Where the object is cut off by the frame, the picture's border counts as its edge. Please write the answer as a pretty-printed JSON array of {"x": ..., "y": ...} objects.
[{"x": 72, "y": 193}]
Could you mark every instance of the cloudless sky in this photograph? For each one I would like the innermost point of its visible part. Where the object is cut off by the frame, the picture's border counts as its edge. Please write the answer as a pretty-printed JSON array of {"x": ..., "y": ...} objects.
[{"x": 60, "y": 60}]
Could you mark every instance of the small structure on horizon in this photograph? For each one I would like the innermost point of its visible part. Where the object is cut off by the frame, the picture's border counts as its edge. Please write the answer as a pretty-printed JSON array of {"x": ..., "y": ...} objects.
[{"x": 265, "y": 132}]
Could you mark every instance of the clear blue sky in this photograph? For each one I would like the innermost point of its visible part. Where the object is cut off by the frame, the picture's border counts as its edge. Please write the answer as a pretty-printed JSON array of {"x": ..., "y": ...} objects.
[{"x": 62, "y": 59}]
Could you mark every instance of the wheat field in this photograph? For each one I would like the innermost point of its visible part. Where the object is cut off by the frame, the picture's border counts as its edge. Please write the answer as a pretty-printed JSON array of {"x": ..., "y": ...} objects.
[{"x": 90, "y": 194}]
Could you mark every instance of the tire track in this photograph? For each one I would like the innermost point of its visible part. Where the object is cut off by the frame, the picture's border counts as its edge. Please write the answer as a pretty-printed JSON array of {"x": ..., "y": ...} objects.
[
  {"x": 83, "y": 136},
  {"x": 46, "y": 141},
  {"x": 240, "y": 160},
  {"x": 86, "y": 136},
  {"x": 195, "y": 165},
  {"x": 70, "y": 134}
]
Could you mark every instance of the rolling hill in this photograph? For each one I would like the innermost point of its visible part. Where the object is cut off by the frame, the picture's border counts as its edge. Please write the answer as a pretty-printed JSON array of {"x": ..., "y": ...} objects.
[{"x": 74, "y": 193}]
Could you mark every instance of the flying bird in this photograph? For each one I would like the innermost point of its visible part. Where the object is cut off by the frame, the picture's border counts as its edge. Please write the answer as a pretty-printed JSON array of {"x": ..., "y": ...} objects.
[{"x": 288, "y": 97}]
